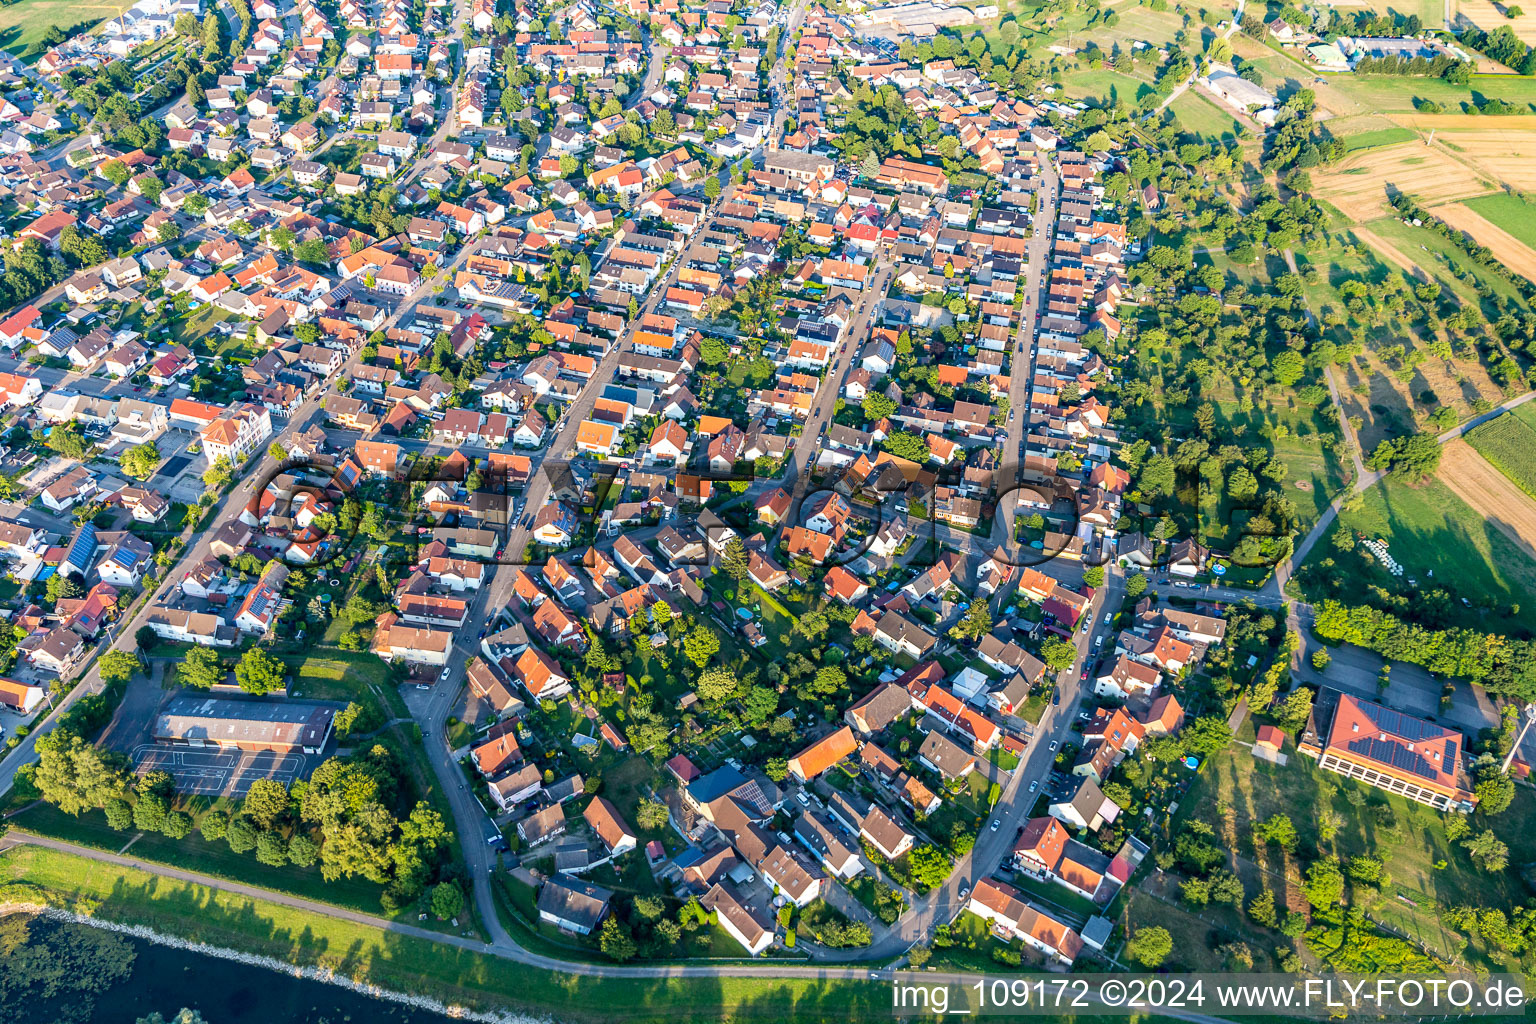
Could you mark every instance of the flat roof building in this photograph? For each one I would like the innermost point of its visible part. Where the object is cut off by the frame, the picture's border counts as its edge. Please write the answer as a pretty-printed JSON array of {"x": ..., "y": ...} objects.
[{"x": 245, "y": 724}]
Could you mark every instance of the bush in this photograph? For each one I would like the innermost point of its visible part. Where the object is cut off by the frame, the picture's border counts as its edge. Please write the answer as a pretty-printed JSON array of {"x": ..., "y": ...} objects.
[
  {"x": 214, "y": 825},
  {"x": 303, "y": 851},
  {"x": 272, "y": 849},
  {"x": 177, "y": 825},
  {"x": 241, "y": 836},
  {"x": 119, "y": 814}
]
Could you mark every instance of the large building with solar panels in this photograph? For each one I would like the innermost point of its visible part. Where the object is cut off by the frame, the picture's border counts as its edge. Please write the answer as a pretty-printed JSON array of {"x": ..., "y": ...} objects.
[{"x": 1387, "y": 749}]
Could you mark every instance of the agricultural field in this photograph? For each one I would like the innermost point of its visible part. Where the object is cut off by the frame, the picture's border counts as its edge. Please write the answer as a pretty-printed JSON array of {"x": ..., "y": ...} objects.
[
  {"x": 1512, "y": 252},
  {"x": 1358, "y": 185},
  {"x": 1509, "y": 444},
  {"x": 1510, "y": 213},
  {"x": 23, "y": 23},
  {"x": 1487, "y": 15},
  {"x": 1491, "y": 490}
]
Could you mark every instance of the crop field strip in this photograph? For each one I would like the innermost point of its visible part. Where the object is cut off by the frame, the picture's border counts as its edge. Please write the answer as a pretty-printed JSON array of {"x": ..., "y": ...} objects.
[
  {"x": 1512, "y": 252},
  {"x": 1510, "y": 446},
  {"x": 1492, "y": 492}
]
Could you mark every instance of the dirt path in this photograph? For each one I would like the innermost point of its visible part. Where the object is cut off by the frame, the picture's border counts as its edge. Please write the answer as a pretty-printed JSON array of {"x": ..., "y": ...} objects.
[
  {"x": 1387, "y": 252},
  {"x": 1512, "y": 252},
  {"x": 1490, "y": 493}
]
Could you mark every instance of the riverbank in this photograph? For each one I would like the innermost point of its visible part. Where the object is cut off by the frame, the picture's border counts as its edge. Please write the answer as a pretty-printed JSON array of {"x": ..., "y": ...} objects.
[
  {"x": 440, "y": 971},
  {"x": 168, "y": 973}
]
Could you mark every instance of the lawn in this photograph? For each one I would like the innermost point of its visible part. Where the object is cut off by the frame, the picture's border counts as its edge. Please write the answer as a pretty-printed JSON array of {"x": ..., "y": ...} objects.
[
  {"x": 1378, "y": 137},
  {"x": 210, "y": 858},
  {"x": 408, "y": 963},
  {"x": 346, "y": 675},
  {"x": 198, "y": 326},
  {"x": 1200, "y": 116},
  {"x": 1509, "y": 212},
  {"x": 23, "y": 23},
  {"x": 1104, "y": 86},
  {"x": 1429, "y": 528},
  {"x": 1441, "y": 258},
  {"x": 1234, "y": 790}
]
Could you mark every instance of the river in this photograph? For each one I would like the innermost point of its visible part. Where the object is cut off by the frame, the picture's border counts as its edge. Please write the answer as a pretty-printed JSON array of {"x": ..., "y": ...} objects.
[{"x": 164, "y": 979}]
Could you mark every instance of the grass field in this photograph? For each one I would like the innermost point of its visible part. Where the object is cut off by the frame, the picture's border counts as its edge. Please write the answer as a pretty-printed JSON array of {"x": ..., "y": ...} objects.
[
  {"x": 1104, "y": 86},
  {"x": 1509, "y": 212},
  {"x": 23, "y": 23},
  {"x": 211, "y": 858},
  {"x": 406, "y": 963},
  {"x": 1235, "y": 790},
  {"x": 1441, "y": 259},
  {"x": 1428, "y": 528},
  {"x": 1200, "y": 116},
  {"x": 1377, "y": 137}
]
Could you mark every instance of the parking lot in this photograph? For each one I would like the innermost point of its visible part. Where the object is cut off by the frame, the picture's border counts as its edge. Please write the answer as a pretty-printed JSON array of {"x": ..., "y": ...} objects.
[{"x": 212, "y": 772}]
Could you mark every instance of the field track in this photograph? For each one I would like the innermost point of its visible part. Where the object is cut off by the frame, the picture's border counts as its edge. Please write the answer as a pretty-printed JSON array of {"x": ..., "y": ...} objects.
[{"x": 1507, "y": 508}]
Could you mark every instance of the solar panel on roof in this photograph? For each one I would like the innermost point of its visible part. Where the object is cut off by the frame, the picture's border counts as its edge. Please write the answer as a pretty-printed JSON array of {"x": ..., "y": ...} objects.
[
  {"x": 1398, "y": 724},
  {"x": 1394, "y": 754}
]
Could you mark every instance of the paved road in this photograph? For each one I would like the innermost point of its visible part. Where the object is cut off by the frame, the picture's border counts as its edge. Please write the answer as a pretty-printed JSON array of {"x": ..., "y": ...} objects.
[{"x": 797, "y": 473}]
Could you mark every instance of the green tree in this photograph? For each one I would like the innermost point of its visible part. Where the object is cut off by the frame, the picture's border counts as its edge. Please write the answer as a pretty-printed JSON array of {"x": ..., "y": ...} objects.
[
  {"x": 905, "y": 445},
  {"x": 303, "y": 851},
  {"x": 700, "y": 645},
  {"x": 215, "y": 825},
  {"x": 1324, "y": 885},
  {"x": 735, "y": 562},
  {"x": 259, "y": 672},
  {"x": 177, "y": 825},
  {"x": 1262, "y": 908},
  {"x": 614, "y": 939},
  {"x": 927, "y": 867},
  {"x": 117, "y": 666},
  {"x": 1488, "y": 851},
  {"x": 75, "y": 776},
  {"x": 272, "y": 849},
  {"x": 266, "y": 803},
  {"x": 976, "y": 623},
  {"x": 1093, "y": 576},
  {"x": 651, "y": 815},
  {"x": 1058, "y": 654},
  {"x": 447, "y": 900},
  {"x": 119, "y": 813},
  {"x": 140, "y": 461},
  {"x": 1135, "y": 584},
  {"x": 1149, "y": 946},
  {"x": 712, "y": 188},
  {"x": 201, "y": 668},
  {"x": 715, "y": 684}
]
